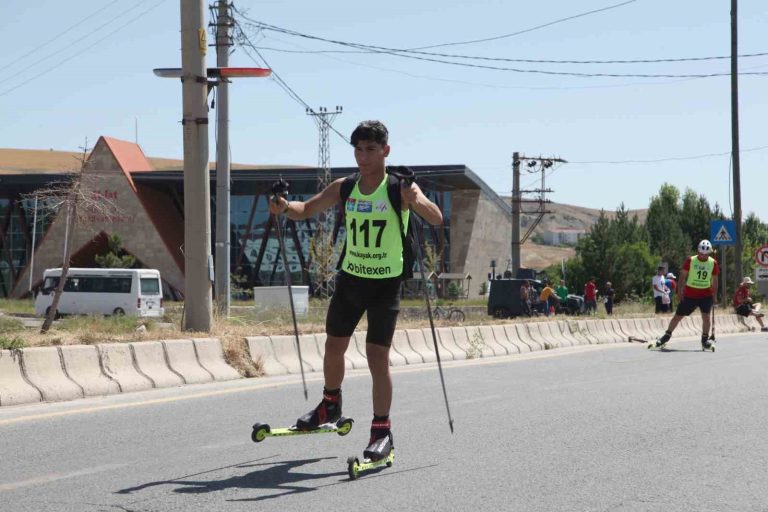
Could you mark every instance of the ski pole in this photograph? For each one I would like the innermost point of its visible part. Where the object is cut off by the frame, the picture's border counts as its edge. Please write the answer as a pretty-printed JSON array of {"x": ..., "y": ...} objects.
[
  {"x": 407, "y": 176},
  {"x": 280, "y": 189},
  {"x": 712, "y": 334}
]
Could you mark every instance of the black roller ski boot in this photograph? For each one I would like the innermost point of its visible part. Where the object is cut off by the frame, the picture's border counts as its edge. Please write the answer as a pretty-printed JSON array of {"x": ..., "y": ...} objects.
[
  {"x": 381, "y": 442},
  {"x": 328, "y": 411},
  {"x": 706, "y": 344},
  {"x": 661, "y": 342}
]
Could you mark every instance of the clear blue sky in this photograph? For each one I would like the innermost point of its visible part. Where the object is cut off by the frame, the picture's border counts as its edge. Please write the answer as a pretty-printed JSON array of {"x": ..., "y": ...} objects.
[{"x": 96, "y": 79}]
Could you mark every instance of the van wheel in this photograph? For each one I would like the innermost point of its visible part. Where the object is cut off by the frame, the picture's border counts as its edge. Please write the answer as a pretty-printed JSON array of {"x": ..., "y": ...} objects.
[
  {"x": 119, "y": 312},
  {"x": 501, "y": 313}
]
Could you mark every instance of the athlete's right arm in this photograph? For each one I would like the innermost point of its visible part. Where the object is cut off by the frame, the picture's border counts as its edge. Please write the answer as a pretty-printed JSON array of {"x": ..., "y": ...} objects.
[{"x": 300, "y": 210}]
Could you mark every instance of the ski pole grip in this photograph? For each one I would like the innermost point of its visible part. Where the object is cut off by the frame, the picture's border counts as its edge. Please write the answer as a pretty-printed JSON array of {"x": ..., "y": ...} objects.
[
  {"x": 403, "y": 173},
  {"x": 280, "y": 189}
]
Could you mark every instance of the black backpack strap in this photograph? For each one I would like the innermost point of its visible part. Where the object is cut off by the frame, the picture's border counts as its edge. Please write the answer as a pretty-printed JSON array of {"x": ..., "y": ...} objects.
[
  {"x": 347, "y": 186},
  {"x": 396, "y": 200}
]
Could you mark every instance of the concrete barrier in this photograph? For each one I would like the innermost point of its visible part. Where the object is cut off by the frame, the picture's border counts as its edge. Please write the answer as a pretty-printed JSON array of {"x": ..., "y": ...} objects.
[
  {"x": 14, "y": 388},
  {"x": 539, "y": 336},
  {"x": 262, "y": 351},
  {"x": 596, "y": 329},
  {"x": 519, "y": 337},
  {"x": 618, "y": 331},
  {"x": 566, "y": 329},
  {"x": 554, "y": 331},
  {"x": 118, "y": 363},
  {"x": 461, "y": 343},
  {"x": 310, "y": 353},
  {"x": 285, "y": 353},
  {"x": 83, "y": 366},
  {"x": 500, "y": 334},
  {"x": 403, "y": 347},
  {"x": 210, "y": 353},
  {"x": 395, "y": 357},
  {"x": 357, "y": 343},
  {"x": 448, "y": 348},
  {"x": 501, "y": 347},
  {"x": 151, "y": 361},
  {"x": 43, "y": 368},
  {"x": 183, "y": 360},
  {"x": 583, "y": 332},
  {"x": 353, "y": 357},
  {"x": 422, "y": 346}
]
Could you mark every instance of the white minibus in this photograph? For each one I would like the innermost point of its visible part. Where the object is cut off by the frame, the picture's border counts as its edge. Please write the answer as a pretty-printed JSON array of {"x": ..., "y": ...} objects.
[{"x": 105, "y": 291}]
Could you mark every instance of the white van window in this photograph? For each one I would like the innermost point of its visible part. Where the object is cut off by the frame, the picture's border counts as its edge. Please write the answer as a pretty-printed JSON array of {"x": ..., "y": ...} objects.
[{"x": 150, "y": 286}]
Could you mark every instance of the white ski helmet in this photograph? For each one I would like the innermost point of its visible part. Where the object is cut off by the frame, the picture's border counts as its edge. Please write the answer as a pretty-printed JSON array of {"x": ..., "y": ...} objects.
[{"x": 705, "y": 247}]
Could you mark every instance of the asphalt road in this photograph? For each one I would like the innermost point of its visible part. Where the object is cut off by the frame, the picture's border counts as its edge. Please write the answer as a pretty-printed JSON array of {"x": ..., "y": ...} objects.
[{"x": 609, "y": 428}]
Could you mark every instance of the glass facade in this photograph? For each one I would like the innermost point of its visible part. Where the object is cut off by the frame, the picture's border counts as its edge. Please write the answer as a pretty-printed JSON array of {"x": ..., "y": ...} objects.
[{"x": 256, "y": 256}]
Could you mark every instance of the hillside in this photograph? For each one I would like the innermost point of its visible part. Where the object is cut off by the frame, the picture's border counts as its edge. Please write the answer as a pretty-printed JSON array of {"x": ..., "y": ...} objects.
[{"x": 563, "y": 216}]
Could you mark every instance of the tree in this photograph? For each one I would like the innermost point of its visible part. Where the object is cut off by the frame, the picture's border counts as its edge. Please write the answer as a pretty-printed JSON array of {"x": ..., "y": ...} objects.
[
  {"x": 116, "y": 257},
  {"x": 665, "y": 231},
  {"x": 76, "y": 198}
]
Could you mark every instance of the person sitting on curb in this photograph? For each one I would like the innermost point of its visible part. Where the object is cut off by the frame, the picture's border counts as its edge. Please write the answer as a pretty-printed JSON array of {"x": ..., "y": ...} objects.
[{"x": 742, "y": 301}]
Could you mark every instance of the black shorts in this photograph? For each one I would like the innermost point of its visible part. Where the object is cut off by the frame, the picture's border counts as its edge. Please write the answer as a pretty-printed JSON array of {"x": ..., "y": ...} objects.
[
  {"x": 744, "y": 310},
  {"x": 688, "y": 305},
  {"x": 356, "y": 295}
]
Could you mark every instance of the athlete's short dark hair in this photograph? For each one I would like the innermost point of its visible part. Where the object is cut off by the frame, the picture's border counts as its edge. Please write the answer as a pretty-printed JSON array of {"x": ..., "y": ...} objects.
[{"x": 372, "y": 131}]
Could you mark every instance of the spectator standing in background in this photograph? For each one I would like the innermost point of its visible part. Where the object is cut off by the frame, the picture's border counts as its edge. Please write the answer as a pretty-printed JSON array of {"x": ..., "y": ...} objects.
[
  {"x": 608, "y": 297},
  {"x": 590, "y": 296}
]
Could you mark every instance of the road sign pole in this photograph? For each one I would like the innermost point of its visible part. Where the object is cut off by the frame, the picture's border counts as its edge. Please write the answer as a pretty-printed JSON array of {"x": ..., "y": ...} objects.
[{"x": 724, "y": 280}]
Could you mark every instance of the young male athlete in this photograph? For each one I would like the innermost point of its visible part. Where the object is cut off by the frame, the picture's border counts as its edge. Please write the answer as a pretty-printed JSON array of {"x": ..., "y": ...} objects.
[
  {"x": 699, "y": 277},
  {"x": 369, "y": 279}
]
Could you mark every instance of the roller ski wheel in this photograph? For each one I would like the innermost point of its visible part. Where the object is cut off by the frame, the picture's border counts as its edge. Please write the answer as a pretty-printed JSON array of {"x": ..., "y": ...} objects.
[
  {"x": 707, "y": 347},
  {"x": 260, "y": 432},
  {"x": 341, "y": 427},
  {"x": 657, "y": 345},
  {"x": 355, "y": 467}
]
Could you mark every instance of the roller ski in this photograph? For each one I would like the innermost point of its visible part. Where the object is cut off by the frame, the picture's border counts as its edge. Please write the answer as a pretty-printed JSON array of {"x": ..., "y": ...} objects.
[
  {"x": 261, "y": 431},
  {"x": 706, "y": 344},
  {"x": 661, "y": 342},
  {"x": 631, "y": 339},
  {"x": 326, "y": 418},
  {"x": 380, "y": 452}
]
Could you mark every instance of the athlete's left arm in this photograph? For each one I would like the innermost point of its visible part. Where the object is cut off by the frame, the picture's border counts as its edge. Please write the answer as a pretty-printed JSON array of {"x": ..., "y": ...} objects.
[{"x": 415, "y": 199}]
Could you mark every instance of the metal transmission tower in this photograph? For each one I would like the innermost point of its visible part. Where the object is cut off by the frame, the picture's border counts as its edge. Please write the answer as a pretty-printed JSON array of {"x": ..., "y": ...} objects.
[
  {"x": 537, "y": 164},
  {"x": 322, "y": 251}
]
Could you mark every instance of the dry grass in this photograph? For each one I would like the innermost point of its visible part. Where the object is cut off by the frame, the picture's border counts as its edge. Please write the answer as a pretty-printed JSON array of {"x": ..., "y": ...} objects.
[{"x": 242, "y": 323}]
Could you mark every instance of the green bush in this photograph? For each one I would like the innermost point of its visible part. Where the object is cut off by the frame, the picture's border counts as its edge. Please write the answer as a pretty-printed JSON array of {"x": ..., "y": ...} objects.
[
  {"x": 11, "y": 343},
  {"x": 10, "y": 325},
  {"x": 453, "y": 291}
]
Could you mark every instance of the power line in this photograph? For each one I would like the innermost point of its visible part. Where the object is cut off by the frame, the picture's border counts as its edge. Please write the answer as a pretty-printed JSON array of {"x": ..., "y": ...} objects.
[
  {"x": 528, "y": 29},
  {"x": 669, "y": 159},
  {"x": 529, "y": 61},
  {"x": 86, "y": 36},
  {"x": 421, "y": 57},
  {"x": 62, "y": 62},
  {"x": 54, "y": 38},
  {"x": 244, "y": 40}
]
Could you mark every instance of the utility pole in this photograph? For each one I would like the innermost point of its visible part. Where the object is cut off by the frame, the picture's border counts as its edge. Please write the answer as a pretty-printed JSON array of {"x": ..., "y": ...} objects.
[
  {"x": 198, "y": 305},
  {"x": 516, "y": 263},
  {"x": 735, "y": 138},
  {"x": 321, "y": 247},
  {"x": 533, "y": 164},
  {"x": 223, "y": 43}
]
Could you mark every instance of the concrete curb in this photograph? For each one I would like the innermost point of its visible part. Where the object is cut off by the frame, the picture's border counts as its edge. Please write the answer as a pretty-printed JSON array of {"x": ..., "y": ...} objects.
[
  {"x": 182, "y": 359},
  {"x": 83, "y": 366},
  {"x": 14, "y": 388},
  {"x": 44, "y": 369},
  {"x": 118, "y": 363},
  {"x": 210, "y": 354},
  {"x": 64, "y": 373},
  {"x": 262, "y": 352},
  {"x": 150, "y": 358}
]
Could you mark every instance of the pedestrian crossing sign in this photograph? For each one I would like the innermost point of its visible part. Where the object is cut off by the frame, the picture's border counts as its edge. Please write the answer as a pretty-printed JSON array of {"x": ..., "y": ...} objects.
[{"x": 722, "y": 232}]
